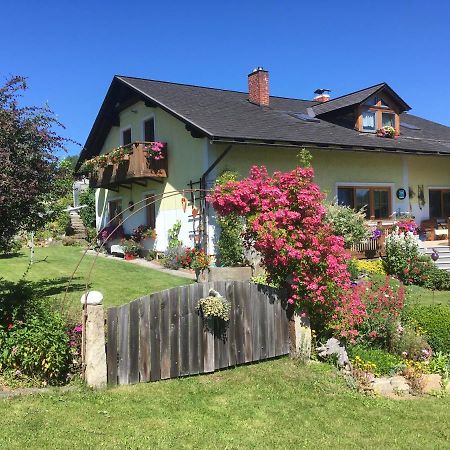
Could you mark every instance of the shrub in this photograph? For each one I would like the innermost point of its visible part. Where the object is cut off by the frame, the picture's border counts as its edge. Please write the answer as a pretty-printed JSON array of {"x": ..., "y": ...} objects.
[
  {"x": 384, "y": 302},
  {"x": 151, "y": 255},
  {"x": 173, "y": 233},
  {"x": 352, "y": 268},
  {"x": 172, "y": 257},
  {"x": 404, "y": 260},
  {"x": 383, "y": 362},
  {"x": 229, "y": 244},
  {"x": 434, "y": 322},
  {"x": 87, "y": 214},
  {"x": 437, "y": 279},
  {"x": 348, "y": 223},
  {"x": 33, "y": 338},
  {"x": 409, "y": 343},
  {"x": 370, "y": 266}
]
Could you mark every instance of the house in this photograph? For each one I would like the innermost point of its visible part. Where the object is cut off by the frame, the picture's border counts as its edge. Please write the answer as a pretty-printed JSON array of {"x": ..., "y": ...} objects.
[{"x": 205, "y": 131}]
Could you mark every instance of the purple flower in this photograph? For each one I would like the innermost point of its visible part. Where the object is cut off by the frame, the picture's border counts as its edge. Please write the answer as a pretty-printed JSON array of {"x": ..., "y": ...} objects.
[{"x": 376, "y": 233}]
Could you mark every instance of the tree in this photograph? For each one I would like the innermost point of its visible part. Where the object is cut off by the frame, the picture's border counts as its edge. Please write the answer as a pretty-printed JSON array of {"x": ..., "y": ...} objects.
[{"x": 29, "y": 177}]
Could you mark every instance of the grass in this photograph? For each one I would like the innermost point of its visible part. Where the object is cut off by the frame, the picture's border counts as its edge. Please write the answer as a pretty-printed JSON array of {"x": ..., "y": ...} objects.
[
  {"x": 120, "y": 282},
  {"x": 274, "y": 404},
  {"x": 427, "y": 296}
]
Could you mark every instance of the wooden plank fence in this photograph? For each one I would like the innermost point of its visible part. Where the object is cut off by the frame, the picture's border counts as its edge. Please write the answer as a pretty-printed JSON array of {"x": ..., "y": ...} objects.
[{"x": 163, "y": 335}]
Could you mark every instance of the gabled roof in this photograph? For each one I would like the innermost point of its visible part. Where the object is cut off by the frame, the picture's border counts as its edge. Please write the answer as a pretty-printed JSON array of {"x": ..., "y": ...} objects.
[
  {"x": 358, "y": 97},
  {"x": 228, "y": 116}
]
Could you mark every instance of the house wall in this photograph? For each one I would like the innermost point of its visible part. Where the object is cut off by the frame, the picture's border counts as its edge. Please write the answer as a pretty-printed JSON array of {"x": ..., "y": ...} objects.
[
  {"x": 187, "y": 158},
  {"x": 335, "y": 167}
]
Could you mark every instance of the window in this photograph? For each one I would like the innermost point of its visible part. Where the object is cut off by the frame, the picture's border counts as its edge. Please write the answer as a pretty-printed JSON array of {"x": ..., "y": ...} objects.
[
  {"x": 149, "y": 130},
  {"x": 126, "y": 136},
  {"x": 388, "y": 119},
  {"x": 375, "y": 114},
  {"x": 376, "y": 200},
  {"x": 150, "y": 210},
  {"x": 115, "y": 211},
  {"x": 439, "y": 203},
  {"x": 368, "y": 121}
]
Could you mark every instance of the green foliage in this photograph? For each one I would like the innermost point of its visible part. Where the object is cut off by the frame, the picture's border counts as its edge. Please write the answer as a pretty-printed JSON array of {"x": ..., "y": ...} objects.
[
  {"x": 384, "y": 362},
  {"x": 33, "y": 338},
  {"x": 347, "y": 222},
  {"x": 352, "y": 267},
  {"x": 304, "y": 158},
  {"x": 173, "y": 233},
  {"x": 229, "y": 244},
  {"x": 87, "y": 214},
  {"x": 262, "y": 279},
  {"x": 215, "y": 306},
  {"x": 172, "y": 258},
  {"x": 434, "y": 321},
  {"x": 404, "y": 260},
  {"x": 409, "y": 343},
  {"x": 437, "y": 279},
  {"x": 440, "y": 363}
]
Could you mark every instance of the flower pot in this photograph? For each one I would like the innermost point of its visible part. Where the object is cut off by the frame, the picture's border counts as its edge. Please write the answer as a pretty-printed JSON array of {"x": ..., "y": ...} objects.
[{"x": 129, "y": 257}]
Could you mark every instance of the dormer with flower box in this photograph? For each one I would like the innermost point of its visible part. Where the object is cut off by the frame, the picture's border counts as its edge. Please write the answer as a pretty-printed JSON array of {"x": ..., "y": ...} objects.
[{"x": 375, "y": 110}]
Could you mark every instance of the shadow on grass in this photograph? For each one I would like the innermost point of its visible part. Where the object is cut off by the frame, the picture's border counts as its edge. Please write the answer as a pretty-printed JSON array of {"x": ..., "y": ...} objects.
[
  {"x": 20, "y": 294},
  {"x": 12, "y": 255}
]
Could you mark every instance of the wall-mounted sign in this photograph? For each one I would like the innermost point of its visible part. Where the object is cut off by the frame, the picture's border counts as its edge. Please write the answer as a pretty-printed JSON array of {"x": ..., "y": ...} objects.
[{"x": 401, "y": 194}]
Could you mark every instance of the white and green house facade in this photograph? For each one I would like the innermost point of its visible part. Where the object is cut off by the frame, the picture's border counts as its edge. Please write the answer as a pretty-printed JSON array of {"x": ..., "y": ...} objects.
[{"x": 207, "y": 131}]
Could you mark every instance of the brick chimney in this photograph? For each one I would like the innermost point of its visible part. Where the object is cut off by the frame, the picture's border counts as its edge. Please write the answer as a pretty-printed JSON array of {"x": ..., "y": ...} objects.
[{"x": 258, "y": 87}]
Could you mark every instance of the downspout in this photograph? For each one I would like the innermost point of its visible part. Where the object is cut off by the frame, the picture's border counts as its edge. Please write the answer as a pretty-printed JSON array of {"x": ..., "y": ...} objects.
[{"x": 202, "y": 193}]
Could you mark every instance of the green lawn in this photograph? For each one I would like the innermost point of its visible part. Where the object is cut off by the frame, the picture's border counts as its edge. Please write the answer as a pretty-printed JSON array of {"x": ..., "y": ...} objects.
[
  {"x": 119, "y": 281},
  {"x": 427, "y": 297},
  {"x": 275, "y": 404}
]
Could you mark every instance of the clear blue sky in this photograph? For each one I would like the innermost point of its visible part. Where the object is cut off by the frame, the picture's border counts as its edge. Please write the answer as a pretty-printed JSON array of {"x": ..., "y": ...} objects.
[{"x": 71, "y": 50}]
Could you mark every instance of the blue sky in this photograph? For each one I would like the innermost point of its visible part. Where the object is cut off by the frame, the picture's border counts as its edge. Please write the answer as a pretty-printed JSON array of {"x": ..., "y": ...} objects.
[{"x": 71, "y": 50}]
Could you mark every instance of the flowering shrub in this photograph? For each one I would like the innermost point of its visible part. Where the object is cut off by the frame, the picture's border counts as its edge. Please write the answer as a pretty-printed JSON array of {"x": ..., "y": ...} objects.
[
  {"x": 403, "y": 258},
  {"x": 384, "y": 303},
  {"x": 155, "y": 150},
  {"x": 110, "y": 232},
  {"x": 285, "y": 218},
  {"x": 143, "y": 232},
  {"x": 194, "y": 258},
  {"x": 370, "y": 266}
]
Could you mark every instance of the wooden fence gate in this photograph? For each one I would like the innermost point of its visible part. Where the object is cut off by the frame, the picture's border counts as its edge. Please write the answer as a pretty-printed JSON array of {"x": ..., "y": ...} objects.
[{"x": 163, "y": 335}]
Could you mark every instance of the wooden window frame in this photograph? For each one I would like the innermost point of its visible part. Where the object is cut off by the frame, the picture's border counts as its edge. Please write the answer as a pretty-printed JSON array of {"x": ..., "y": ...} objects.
[
  {"x": 146, "y": 119},
  {"x": 115, "y": 200},
  {"x": 122, "y": 131},
  {"x": 150, "y": 209},
  {"x": 371, "y": 205},
  {"x": 378, "y": 109},
  {"x": 442, "y": 191}
]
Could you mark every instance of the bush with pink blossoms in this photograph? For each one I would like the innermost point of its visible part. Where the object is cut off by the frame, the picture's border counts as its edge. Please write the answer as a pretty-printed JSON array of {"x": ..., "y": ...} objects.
[{"x": 285, "y": 223}]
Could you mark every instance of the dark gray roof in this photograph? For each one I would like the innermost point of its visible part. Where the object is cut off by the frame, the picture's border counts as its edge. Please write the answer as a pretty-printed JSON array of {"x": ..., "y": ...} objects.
[
  {"x": 358, "y": 97},
  {"x": 223, "y": 115}
]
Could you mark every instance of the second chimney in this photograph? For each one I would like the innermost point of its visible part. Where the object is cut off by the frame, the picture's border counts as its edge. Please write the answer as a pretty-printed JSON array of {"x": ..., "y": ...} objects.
[{"x": 258, "y": 87}]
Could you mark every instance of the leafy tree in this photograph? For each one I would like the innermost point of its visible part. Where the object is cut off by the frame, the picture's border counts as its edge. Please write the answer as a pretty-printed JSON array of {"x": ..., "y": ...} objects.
[
  {"x": 30, "y": 181},
  {"x": 230, "y": 245}
]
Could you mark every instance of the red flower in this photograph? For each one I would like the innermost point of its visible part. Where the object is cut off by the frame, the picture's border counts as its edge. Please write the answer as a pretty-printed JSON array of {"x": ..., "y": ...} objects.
[{"x": 10, "y": 326}]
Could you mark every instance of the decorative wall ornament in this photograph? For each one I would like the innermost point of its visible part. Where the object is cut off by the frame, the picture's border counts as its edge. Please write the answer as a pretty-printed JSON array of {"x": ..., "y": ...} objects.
[{"x": 421, "y": 196}]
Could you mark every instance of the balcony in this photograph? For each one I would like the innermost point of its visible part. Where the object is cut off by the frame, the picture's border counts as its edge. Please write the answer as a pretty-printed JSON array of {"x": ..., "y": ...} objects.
[{"x": 136, "y": 168}]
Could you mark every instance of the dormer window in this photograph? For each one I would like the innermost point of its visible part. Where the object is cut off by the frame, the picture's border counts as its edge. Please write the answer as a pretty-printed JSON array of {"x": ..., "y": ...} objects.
[{"x": 376, "y": 113}]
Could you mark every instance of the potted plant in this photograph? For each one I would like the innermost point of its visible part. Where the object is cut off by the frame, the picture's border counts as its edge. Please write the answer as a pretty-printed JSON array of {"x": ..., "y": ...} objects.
[
  {"x": 130, "y": 249},
  {"x": 143, "y": 232}
]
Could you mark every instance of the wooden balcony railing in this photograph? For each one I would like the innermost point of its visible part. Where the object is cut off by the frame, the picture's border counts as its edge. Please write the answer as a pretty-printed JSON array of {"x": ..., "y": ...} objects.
[{"x": 136, "y": 167}]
